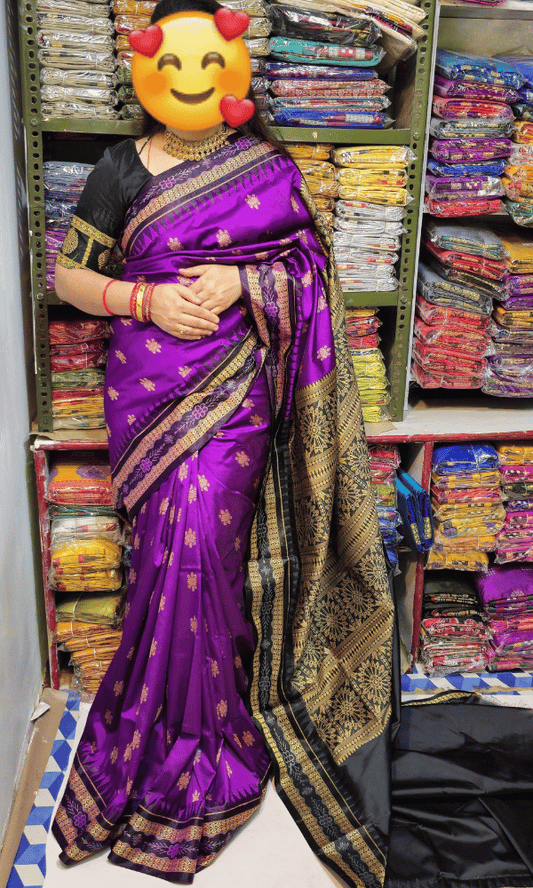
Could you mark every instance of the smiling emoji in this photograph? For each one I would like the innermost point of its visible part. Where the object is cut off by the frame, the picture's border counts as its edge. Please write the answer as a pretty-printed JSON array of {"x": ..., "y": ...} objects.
[{"x": 192, "y": 70}]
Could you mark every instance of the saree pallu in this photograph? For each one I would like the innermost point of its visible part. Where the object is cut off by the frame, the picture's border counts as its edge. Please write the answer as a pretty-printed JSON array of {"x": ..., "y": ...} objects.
[{"x": 242, "y": 463}]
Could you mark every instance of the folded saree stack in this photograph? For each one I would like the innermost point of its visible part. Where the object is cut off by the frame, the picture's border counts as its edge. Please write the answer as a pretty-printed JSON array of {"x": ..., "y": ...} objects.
[
  {"x": 384, "y": 460},
  {"x": 77, "y": 64},
  {"x": 63, "y": 185},
  {"x": 129, "y": 15},
  {"x": 324, "y": 69},
  {"x": 510, "y": 367},
  {"x": 458, "y": 278},
  {"x": 315, "y": 164},
  {"x": 368, "y": 216},
  {"x": 86, "y": 564},
  {"x": 454, "y": 636},
  {"x": 470, "y": 134},
  {"x": 507, "y": 594},
  {"x": 515, "y": 540},
  {"x": 467, "y": 506},
  {"x": 518, "y": 179},
  {"x": 78, "y": 354},
  {"x": 369, "y": 366}
]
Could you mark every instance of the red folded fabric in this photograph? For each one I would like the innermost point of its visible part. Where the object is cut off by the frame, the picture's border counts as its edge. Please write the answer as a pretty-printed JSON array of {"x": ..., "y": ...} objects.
[
  {"x": 450, "y": 337},
  {"x": 437, "y": 314},
  {"x": 489, "y": 268}
]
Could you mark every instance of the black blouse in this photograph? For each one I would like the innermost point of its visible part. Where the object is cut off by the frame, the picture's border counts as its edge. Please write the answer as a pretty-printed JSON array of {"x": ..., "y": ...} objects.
[{"x": 99, "y": 220}]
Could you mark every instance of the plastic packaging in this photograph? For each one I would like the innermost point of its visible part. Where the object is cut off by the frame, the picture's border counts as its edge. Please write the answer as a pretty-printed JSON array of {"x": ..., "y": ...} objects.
[
  {"x": 479, "y": 128},
  {"x": 362, "y": 156},
  {"x": 477, "y": 240},
  {"x": 64, "y": 23},
  {"x": 464, "y": 207},
  {"x": 91, "y": 95},
  {"x": 302, "y": 51},
  {"x": 459, "y": 187},
  {"x": 459, "y": 66},
  {"x": 331, "y": 27},
  {"x": 77, "y": 59},
  {"x": 77, "y": 79},
  {"x": 340, "y": 89},
  {"x": 283, "y": 70},
  {"x": 469, "y": 150},
  {"x": 399, "y": 197},
  {"x": 448, "y": 108},
  {"x": 358, "y": 209},
  {"x": 57, "y": 110},
  {"x": 474, "y": 90},
  {"x": 65, "y": 40}
]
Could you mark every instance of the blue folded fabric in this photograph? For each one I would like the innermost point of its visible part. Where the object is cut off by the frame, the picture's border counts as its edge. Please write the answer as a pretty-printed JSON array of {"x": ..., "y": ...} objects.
[
  {"x": 488, "y": 168},
  {"x": 414, "y": 507},
  {"x": 454, "y": 459}
]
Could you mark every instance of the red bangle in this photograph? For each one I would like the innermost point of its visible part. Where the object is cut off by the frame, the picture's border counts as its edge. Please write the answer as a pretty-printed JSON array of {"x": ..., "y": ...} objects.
[
  {"x": 133, "y": 299},
  {"x": 112, "y": 281}
]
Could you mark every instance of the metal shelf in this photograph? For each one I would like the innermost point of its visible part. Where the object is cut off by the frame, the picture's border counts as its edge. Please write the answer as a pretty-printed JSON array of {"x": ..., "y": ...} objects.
[
  {"x": 463, "y": 10},
  {"x": 375, "y": 298},
  {"x": 96, "y": 127},
  {"x": 342, "y": 136}
]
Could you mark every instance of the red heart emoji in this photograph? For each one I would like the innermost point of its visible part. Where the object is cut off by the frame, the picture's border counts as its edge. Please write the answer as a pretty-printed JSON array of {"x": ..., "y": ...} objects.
[
  {"x": 236, "y": 111},
  {"x": 231, "y": 24},
  {"x": 147, "y": 42}
]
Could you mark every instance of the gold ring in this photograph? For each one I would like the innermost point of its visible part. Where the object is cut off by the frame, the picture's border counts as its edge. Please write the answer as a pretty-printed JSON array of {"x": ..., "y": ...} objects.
[{"x": 181, "y": 330}]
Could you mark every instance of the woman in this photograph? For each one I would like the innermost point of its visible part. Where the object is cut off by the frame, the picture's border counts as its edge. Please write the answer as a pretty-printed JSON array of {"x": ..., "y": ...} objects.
[{"x": 258, "y": 617}]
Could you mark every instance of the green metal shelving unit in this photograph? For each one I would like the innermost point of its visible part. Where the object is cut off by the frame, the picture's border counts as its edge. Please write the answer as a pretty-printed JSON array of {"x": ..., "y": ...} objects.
[{"x": 413, "y": 80}]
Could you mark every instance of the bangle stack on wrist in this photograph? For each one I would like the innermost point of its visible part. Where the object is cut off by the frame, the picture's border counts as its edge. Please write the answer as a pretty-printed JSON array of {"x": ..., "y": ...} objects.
[{"x": 140, "y": 301}]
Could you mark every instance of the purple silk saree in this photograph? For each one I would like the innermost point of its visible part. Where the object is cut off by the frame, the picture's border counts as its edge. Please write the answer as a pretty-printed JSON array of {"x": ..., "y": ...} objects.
[{"x": 258, "y": 619}]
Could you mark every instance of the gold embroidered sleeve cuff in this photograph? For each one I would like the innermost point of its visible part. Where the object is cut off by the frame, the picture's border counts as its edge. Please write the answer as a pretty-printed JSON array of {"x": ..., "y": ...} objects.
[{"x": 85, "y": 247}]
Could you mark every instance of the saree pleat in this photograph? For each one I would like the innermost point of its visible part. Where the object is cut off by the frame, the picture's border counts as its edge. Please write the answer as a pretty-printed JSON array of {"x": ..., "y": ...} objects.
[{"x": 259, "y": 619}]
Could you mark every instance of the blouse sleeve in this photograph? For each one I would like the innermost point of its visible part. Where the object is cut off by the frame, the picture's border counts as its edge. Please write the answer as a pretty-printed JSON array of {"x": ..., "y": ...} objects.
[{"x": 99, "y": 218}]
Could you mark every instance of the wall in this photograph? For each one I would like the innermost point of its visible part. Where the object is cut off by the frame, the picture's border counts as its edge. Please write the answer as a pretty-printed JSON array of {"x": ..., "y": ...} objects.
[{"x": 22, "y": 640}]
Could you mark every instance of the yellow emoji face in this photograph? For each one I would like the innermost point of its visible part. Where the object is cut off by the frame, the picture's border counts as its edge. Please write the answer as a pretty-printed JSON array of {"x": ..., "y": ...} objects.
[{"x": 193, "y": 68}]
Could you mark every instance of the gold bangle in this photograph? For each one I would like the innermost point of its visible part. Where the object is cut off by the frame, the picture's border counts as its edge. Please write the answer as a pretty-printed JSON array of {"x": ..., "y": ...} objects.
[{"x": 139, "y": 302}]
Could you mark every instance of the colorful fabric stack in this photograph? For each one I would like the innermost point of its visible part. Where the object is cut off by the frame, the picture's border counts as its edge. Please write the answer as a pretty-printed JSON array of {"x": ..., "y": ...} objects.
[
  {"x": 518, "y": 179},
  {"x": 63, "y": 185},
  {"x": 454, "y": 636},
  {"x": 470, "y": 128},
  {"x": 78, "y": 354},
  {"x": 314, "y": 162},
  {"x": 324, "y": 73},
  {"x": 384, "y": 460},
  {"x": 130, "y": 15},
  {"x": 459, "y": 276},
  {"x": 515, "y": 541},
  {"x": 77, "y": 65},
  {"x": 368, "y": 216},
  {"x": 86, "y": 564},
  {"x": 362, "y": 325},
  {"x": 510, "y": 367},
  {"x": 467, "y": 508},
  {"x": 507, "y": 595}
]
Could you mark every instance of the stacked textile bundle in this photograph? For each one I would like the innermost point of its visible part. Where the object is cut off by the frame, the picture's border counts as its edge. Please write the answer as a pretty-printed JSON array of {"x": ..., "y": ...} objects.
[
  {"x": 384, "y": 460},
  {"x": 77, "y": 65},
  {"x": 454, "y": 636},
  {"x": 130, "y": 15},
  {"x": 467, "y": 508},
  {"x": 510, "y": 370},
  {"x": 518, "y": 179},
  {"x": 85, "y": 558},
  {"x": 78, "y": 354},
  {"x": 325, "y": 69},
  {"x": 63, "y": 185},
  {"x": 362, "y": 325},
  {"x": 472, "y": 120},
  {"x": 458, "y": 278},
  {"x": 315, "y": 165},
  {"x": 507, "y": 595},
  {"x": 368, "y": 217},
  {"x": 515, "y": 541}
]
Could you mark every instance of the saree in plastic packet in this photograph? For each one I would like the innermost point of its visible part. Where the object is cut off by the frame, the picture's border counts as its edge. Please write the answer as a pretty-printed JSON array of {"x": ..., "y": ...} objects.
[
  {"x": 333, "y": 118},
  {"x": 521, "y": 154},
  {"x": 517, "y": 303},
  {"x": 462, "y": 128},
  {"x": 463, "y": 187},
  {"x": 359, "y": 209},
  {"x": 449, "y": 108},
  {"x": 458, "y": 338},
  {"x": 523, "y": 64},
  {"x": 85, "y": 554},
  {"x": 491, "y": 511},
  {"x": 62, "y": 180},
  {"x": 490, "y": 496},
  {"x": 332, "y": 27},
  {"x": 134, "y": 7},
  {"x": 467, "y": 67},
  {"x": 435, "y": 315},
  {"x": 468, "y": 262},
  {"x": 372, "y": 194},
  {"x": 519, "y": 251},
  {"x": 80, "y": 331},
  {"x": 62, "y": 22},
  {"x": 322, "y": 104},
  {"x": 286, "y": 71},
  {"x": 523, "y": 111},
  {"x": 464, "y": 478},
  {"x": 78, "y": 527},
  {"x": 515, "y": 454},
  {"x": 79, "y": 110},
  {"x": 371, "y": 177},
  {"x": 414, "y": 506},
  {"x": 293, "y": 49},
  {"x": 482, "y": 285},
  {"x": 443, "y": 359},
  {"x": 517, "y": 189},
  {"x": 427, "y": 378},
  {"x": 90, "y": 581},
  {"x": 102, "y": 609},
  {"x": 470, "y": 561},
  {"x": 469, "y": 150},
  {"x": 437, "y": 289},
  {"x": 80, "y": 479},
  {"x": 301, "y": 151},
  {"x": 463, "y": 207},
  {"x": 380, "y": 156},
  {"x": 522, "y": 131},
  {"x": 520, "y": 211},
  {"x": 457, "y": 458},
  {"x": 89, "y": 95},
  {"x": 74, "y": 59},
  {"x": 344, "y": 89},
  {"x": 473, "y": 90},
  {"x": 517, "y": 320},
  {"x": 483, "y": 168},
  {"x": 223, "y": 429}
]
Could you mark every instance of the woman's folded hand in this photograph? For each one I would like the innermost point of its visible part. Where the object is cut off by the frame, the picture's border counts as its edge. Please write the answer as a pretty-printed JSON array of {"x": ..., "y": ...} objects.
[
  {"x": 217, "y": 286},
  {"x": 178, "y": 311}
]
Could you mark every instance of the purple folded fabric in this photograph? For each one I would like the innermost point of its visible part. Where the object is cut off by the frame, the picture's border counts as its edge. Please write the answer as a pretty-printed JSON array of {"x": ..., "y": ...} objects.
[
  {"x": 469, "y": 150},
  {"x": 503, "y": 581},
  {"x": 461, "y": 89},
  {"x": 518, "y": 302},
  {"x": 519, "y": 284}
]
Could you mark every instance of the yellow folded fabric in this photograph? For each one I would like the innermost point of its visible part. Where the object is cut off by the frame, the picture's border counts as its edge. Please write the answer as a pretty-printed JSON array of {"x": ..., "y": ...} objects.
[
  {"x": 519, "y": 249},
  {"x": 485, "y": 543},
  {"x": 392, "y": 197},
  {"x": 515, "y": 454},
  {"x": 94, "y": 553},
  {"x": 372, "y": 178},
  {"x": 134, "y": 7},
  {"x": 101, "y": 609},
  {"x": 302, "y": 151},
  {"x": 101, "y": 580},
  {"x": 478, "y": 561},
  {"x": 471, "y": 479},
  {"x": 468, "y": 511},
  {"x": 395, "y": 157}
]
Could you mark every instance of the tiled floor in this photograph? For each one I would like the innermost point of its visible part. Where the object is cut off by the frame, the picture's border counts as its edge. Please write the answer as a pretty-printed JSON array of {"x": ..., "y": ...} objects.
[{"x": 269, "y": 853}]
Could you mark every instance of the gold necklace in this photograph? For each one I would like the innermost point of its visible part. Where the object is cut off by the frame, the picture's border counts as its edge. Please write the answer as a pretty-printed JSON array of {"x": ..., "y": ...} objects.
[{"x": 183, "y": 149}]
